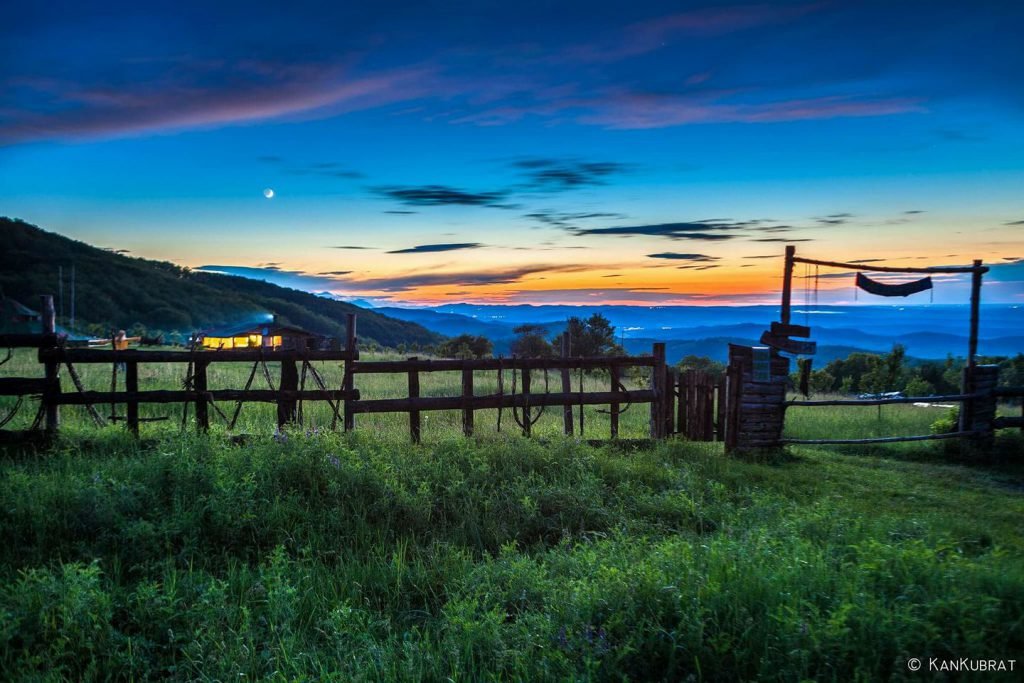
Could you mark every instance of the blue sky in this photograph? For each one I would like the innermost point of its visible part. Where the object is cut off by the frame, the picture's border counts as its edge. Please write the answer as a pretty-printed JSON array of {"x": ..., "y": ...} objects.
[{"x": 527, "y": 152}]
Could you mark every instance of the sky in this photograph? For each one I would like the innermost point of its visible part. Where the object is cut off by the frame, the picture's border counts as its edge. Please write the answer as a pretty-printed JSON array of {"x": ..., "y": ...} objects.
[{"x": 531, "y": 152}]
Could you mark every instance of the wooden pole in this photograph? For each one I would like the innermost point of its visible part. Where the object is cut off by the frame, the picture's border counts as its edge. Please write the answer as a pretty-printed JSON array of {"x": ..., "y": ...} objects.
[
  {"x": 202, "y": 407},
  {"x": 349, "y": 381},
  {"x": 566, "y": 385},
  {"x": 972, "y": 350},
  {"x": 526, "y": 402},
  {"x": 289, "y": 382},
  {"x": 467, "y": 400},
  {"x": 414, "y": 392},
  {"x": 720, "y": 408},
  {"x": 614, "y": 413},
  {"x": 672, "y": 377},
  {"x": 681, "y": 406},
  {"x": 51, "y": 368},
  {"x": 658, "y": 375},
  {"x": 131, "y": 385},
  {"x": 787, "y": 284}
]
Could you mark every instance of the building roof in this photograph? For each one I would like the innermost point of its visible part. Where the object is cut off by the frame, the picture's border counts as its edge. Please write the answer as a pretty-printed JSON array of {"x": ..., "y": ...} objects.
[{"x": 265, "y": 329}]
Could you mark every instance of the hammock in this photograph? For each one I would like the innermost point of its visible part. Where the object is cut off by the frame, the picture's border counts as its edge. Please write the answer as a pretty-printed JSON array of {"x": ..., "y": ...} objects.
[{"x": 883, "y": 289}]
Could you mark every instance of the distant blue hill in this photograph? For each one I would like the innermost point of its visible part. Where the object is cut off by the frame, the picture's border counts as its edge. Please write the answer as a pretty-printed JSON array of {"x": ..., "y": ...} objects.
[{"x": 930, "y": 331}]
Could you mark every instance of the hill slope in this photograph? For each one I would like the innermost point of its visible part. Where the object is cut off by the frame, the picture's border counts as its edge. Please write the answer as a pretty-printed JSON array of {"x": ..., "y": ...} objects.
[{"x": 118, "y": 291}]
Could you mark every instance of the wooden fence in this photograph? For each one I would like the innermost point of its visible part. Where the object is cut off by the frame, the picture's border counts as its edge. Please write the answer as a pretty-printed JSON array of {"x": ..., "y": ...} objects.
[{"x": 515, "y": 393}]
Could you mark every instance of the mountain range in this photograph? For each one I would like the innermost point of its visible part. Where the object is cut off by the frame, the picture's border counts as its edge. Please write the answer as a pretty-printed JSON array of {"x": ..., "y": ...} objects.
[{"x": 117, "y": 291}]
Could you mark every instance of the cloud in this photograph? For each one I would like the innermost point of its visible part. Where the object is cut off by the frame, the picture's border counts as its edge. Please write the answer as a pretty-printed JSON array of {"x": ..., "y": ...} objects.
[
  {"x": 399, "y": 212},
  {"x": 835, "y": 219},
  {"x": 441, "y": 195},
  {"x": 783, "y": 239},
  {"x": 647, "y": 36},
  {"x": 707, "y": 230},
  {"x": 350, "y": 246},
  {"x": 764, "y": 256},
  {"x": 867, "y": 260},
  {"x": 294, "y": 279},
  {"x": 184, "y": 93},
  {"x": 676, "y": 256},
  {"x": 567, "y": 220},
  {"x": 698, "y": 267},
  {"x": 431, "y": 248},
  {"x": 1014, "y": 223},
  {"x": 556, "y": 175},
  {"x": 957, "y": 135},
  {"x": 337, "y": 272},
  {"x": 403, "y": 283},
  {"x": 625, "y": 109}
]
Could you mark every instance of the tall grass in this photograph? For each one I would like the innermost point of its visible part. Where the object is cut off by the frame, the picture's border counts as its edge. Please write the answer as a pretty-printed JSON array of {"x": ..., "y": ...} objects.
[
  {"x": 262, "y": 418},
  {"x": 353, "y": 558}
]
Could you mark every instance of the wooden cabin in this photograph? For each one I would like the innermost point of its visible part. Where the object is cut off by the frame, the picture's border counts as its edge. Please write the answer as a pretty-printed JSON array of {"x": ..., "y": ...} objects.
[
  {"x": 266, "y": 335},
  {"x": 16, "y": 318}
]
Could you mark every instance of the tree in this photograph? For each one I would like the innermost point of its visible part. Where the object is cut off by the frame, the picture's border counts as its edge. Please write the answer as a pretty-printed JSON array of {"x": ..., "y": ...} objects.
[
  {"x": 531, "y": 342},
  {"x": 884, "y": 373},
  {"x": 594, "y": 336},
  {"x": 466, "y": 346},
  {"x": 703, "y": 364}
]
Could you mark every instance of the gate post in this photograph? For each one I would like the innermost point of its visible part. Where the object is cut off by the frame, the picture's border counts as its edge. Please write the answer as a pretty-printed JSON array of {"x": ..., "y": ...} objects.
[
  {"x": 756, "y": 396},
  {"x": 978, "y": 414}
]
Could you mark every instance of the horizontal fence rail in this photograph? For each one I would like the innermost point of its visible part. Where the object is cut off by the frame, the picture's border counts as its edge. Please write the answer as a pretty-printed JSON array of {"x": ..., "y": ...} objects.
[
  {"x": 62, "y": 355},
  {"x": 882, "y": 401},
  {"x": 879, "y": 439}
]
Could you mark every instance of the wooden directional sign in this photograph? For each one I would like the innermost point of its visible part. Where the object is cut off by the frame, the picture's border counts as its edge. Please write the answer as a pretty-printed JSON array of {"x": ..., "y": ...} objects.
[
  {"x": 782, "y": 330},
  {"x": 800, "y": 348}
]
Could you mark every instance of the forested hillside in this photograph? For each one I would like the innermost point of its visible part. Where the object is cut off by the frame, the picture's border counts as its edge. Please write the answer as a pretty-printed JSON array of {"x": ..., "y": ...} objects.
[{"x": 114, "y": 290}]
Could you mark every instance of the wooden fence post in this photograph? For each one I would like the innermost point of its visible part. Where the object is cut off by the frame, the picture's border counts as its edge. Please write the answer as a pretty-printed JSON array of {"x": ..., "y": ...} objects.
[
  {"x": 566, "y": 385},
  {"x": 289, "y": 382},
  {"x": 348, "y": 383},
  {"x": 526, "y": 402},
  {"x": 681, "y": 407},
  {"x": 787, "y": 284},
  {"x": 613, "y": 371},
  {"x": 467, "y": 399},
  {"x": 720, "y": 408},
  {"x": 658, "y": 378},
  {"x": 131, "y": 385},
  {"x": 200, "y": 386},
  {"x": 414, "y": 392},
  {"x": 983, "y": 381},
  {"x": 671, "y": 384},
  {"x": 51, "y": 368}
]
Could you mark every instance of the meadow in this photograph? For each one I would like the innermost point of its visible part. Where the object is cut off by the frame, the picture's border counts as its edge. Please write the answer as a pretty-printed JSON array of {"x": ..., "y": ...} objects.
[{"x": 311, "y": 555}]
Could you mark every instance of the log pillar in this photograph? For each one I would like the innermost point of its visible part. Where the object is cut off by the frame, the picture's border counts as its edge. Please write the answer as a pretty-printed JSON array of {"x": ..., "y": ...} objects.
[
  {"x": 979, "y": 413},
  {"x": 756, "y": 396}
]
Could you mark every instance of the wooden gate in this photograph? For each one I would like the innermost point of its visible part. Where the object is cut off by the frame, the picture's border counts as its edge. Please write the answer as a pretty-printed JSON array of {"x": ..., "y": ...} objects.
[{"x": 700, "y": 411}]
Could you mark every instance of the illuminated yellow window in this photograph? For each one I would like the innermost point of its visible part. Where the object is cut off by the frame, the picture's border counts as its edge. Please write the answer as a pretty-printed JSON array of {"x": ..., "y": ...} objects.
[{"x": 277, "y": 340}]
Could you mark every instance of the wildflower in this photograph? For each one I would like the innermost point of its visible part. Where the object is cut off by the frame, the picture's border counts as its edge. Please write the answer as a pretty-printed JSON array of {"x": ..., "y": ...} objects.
[{"x": 334, "y": 461}]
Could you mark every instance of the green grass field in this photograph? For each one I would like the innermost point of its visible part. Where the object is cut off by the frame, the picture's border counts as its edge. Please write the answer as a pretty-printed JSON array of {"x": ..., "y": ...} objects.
[{"x": 319, "y": 556}]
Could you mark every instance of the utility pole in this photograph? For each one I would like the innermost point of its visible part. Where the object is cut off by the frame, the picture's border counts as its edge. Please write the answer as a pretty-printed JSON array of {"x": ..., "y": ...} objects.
[{"x": 72, "y": 296}]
